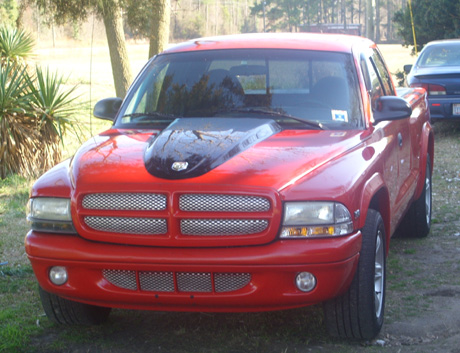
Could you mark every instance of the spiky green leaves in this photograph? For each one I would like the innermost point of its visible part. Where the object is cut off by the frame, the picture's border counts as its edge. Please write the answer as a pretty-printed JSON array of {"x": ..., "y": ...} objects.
[
  {"x": 15, "y": 45},
  {"x": 35, "y": 110}
]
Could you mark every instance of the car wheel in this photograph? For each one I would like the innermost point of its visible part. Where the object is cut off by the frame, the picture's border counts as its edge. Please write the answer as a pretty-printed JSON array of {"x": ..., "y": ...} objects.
[
  {"x": 67, "y": 312},
  {"x": 422, "y": 206},
  {"x": 358, "y": 314},
  {"x": 417, "y": 221}
]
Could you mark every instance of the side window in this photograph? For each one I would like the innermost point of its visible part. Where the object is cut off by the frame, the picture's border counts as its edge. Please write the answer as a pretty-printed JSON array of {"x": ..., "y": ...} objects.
[
  {"x": 365, "y": 72},
  {"x": 375, "y": 88},
  {"x": 383, "y": 73},
  {"x": 145, "y": 99}
]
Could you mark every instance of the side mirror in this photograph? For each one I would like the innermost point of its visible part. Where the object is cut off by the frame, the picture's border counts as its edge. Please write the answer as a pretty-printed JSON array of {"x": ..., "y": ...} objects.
[
  {"x": 391, "y": 108},
  {"x": 407, "y": 68},
  {"x": 107, "y": 108}
]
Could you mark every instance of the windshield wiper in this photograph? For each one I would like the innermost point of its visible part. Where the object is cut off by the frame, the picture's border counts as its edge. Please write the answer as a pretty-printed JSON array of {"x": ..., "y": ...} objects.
[{"x": 312, "y": 123}]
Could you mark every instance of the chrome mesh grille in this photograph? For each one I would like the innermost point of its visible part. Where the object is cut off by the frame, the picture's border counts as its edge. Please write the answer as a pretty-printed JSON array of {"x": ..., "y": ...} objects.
[
  {"x": 157, "y": 281},
  {"x": 223, "y": 203},
  {"x": 136, "y": 201},
  {"x": 121, "y": 278},
  {"x": 197, "y": 282},
  {"x": 151, "y": 214},
  {"x": 149, "y": 226},
  {"x": 222, "y": 227},
  {"x": 229, "y": 282},
  {"x": 194, "y": 282}
]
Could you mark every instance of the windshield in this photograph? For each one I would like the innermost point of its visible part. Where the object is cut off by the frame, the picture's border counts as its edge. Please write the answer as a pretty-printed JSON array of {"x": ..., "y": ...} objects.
[{"x": 297, "y": 88}]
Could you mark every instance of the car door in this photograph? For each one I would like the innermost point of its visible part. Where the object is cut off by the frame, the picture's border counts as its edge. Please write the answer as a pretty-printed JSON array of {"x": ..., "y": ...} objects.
[{"x": 398, "y": 168}]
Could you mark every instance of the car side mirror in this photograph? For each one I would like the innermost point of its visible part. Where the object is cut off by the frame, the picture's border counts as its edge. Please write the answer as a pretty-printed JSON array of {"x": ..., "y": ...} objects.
[
  {"x": 390, "y": 108},
  {"x": 107, "y": 108},
  {"x": 407, "y": 68}
]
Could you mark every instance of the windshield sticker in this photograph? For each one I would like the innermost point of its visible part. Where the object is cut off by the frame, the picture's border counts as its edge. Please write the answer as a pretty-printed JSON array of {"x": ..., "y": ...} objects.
[
  {"x": 340, "y": 115},
  {"x": 126, "y": 120}
]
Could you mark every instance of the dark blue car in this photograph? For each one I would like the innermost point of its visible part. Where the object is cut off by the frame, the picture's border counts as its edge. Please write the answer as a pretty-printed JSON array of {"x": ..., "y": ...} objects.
[{"x": 437, "y": 69}]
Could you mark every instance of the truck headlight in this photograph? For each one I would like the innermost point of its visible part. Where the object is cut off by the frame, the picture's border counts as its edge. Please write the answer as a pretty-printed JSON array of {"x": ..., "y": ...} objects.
[
  {"x": 315, "y": 219},
  {"x": 50, "y": 214}
]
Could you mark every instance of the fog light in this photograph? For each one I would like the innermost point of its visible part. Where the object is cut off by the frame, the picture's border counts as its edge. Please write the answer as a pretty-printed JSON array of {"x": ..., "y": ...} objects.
[
  {"x": 58, "y": 275},
  {"x": 305, "y": 281}
]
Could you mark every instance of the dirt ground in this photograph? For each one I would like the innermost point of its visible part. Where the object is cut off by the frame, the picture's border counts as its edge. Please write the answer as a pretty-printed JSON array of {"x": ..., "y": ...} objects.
[
  {"x": 423, "y": 285},
  {"x": 435, "y": 325}
]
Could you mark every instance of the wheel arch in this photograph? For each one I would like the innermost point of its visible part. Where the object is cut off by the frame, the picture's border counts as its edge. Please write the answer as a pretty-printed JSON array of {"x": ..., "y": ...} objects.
[{"x": 376, "y": 197}]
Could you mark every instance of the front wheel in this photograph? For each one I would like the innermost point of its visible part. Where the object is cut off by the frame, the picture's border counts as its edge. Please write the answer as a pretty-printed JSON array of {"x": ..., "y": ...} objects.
[
  {"x": 358, "y": 314},
  {"x": 67, "y": 312}
]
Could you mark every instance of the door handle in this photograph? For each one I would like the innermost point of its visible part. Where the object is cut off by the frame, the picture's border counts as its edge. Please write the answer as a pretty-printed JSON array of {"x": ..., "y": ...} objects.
[{"x": 400, "y": 140}]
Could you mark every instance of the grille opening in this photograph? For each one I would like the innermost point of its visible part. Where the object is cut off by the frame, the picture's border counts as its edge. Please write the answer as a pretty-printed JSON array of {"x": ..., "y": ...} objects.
[
  {"x": 121, "y": 278},
  {"x": 148, "y": 226},
  {"x": 223, "y": 203},
  {"x": 124, "y": 202},
  {"x": 150, "y": 214},
  {"x": 222, "y": 227},
  {"x": 195, "y": 282}
]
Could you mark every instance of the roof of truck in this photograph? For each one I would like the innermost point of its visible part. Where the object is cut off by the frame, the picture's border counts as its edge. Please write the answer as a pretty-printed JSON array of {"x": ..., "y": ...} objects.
[{"x": 304, "y": 41}]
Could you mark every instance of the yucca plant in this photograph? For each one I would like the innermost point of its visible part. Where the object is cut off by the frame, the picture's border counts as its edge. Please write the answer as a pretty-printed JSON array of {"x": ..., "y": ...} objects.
[
  {"x": 15, "y": 45},
  {"x": 35, "y": 111},
  {"x": 19, "y": 138},
  {"x": 56, "y": 109}
]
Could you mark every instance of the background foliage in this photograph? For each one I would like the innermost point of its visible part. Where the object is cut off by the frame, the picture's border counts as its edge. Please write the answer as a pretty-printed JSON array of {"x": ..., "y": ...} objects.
[
  {"x": 8, "y": 12},
  {"x": 433, "y": 20}
]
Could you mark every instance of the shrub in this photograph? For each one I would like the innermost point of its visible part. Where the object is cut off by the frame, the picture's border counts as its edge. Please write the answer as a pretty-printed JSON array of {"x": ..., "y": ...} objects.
[{"x": 35, "y": 110}]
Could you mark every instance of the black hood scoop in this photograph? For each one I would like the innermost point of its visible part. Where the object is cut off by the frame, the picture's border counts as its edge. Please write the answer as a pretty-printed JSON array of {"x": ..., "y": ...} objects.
[{"x": 190, "y": 147}]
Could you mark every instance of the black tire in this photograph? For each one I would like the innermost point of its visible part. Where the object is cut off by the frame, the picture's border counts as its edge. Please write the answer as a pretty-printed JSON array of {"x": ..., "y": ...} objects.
[
  {"x": 67, "y": 312},
  {"x": 358, "y": 314},
  {"x": 417, "y": 221},
  {"x": 422, "y": 206}
]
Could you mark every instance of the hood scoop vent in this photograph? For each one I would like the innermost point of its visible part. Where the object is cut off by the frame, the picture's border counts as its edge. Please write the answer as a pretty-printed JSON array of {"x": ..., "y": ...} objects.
[{"x": 190, "y": 147}]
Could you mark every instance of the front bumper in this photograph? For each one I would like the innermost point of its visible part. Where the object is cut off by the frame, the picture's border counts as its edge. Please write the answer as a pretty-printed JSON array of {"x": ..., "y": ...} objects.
[
  {"x": 272, "y": 269},
  {"x": 443, "y": 108}
]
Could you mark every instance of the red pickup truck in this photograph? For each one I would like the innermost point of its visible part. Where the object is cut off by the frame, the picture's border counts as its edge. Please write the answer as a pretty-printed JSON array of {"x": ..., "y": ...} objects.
[{"x": 242, "y": 173}]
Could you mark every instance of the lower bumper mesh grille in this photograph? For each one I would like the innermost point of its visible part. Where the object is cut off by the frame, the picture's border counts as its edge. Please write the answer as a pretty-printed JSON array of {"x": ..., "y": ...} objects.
[
  {"x": 197, "y": 282},
  {"x": 123, "y": 279}
]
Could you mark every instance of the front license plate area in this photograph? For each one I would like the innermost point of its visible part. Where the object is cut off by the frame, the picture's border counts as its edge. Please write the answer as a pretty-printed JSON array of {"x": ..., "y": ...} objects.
[{"x": 456, "y": 109}]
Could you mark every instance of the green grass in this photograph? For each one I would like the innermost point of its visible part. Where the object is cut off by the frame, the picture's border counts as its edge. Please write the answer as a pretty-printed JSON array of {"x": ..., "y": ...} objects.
[
  {"x": 20, "y": 309},
  {"x": 19, "y": 306},
  {"x": 198, "y": 332}
]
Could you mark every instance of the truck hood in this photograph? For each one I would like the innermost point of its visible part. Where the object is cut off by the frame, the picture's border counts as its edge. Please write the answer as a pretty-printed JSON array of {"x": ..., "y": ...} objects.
[
  {"x": 258, "y": 155},
  {"x": 191, "y": 147}
]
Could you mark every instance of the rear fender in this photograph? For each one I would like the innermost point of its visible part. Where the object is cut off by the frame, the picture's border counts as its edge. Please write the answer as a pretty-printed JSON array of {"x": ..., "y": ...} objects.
[{"x": 426, "y": 147}]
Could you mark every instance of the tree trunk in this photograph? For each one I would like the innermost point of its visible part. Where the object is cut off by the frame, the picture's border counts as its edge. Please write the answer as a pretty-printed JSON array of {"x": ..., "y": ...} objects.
[
  {"x": 113, "y": 23},
  {"x": 370, "y": 30},
  {"x": 389, "y": 16},
  {"x": 159, "y": 35},
  {"x": 377, "y": 21},
  {"x": 22, "y": 6}
]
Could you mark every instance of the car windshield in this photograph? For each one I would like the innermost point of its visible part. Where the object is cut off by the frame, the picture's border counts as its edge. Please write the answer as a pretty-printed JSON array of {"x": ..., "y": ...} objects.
[
  {"x": 440, "y": 55},
  {"x": 299, "y": 89}
]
